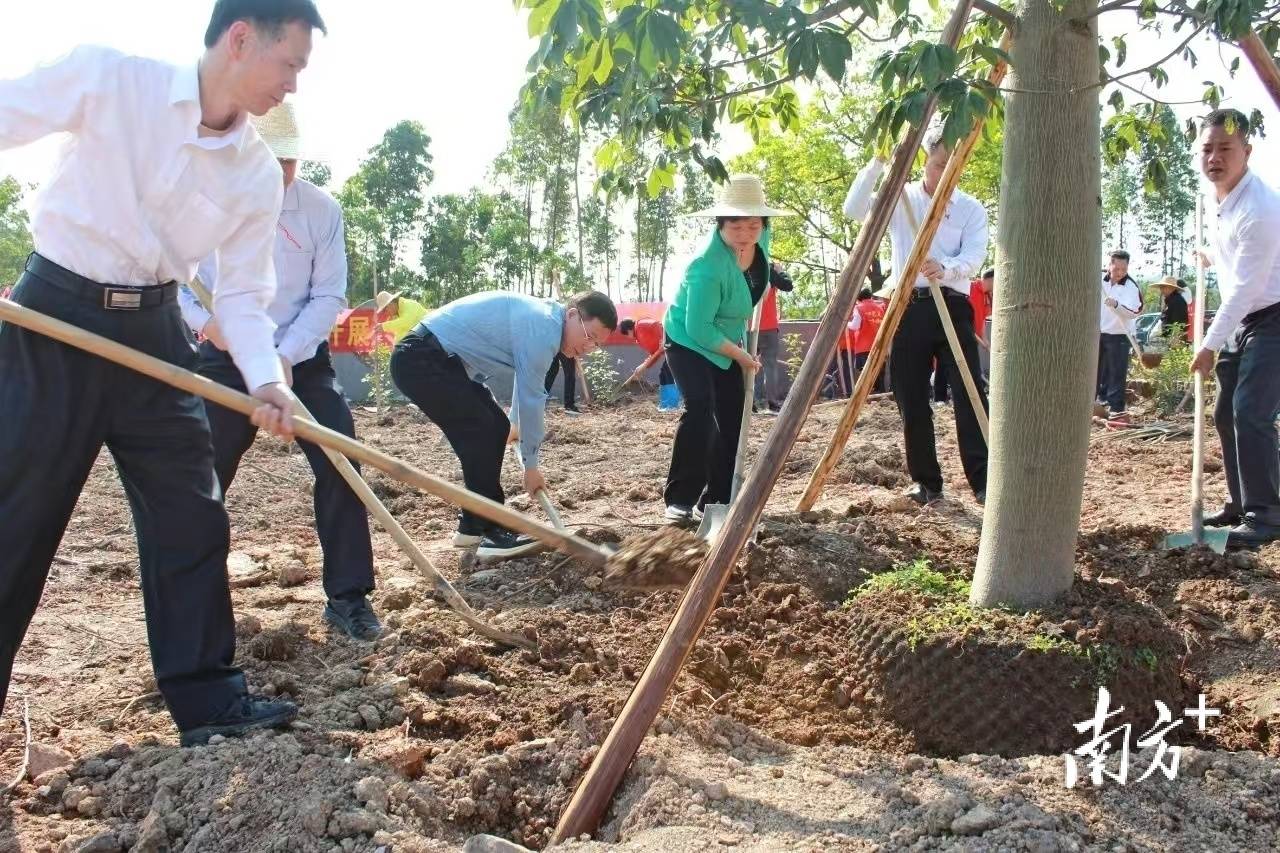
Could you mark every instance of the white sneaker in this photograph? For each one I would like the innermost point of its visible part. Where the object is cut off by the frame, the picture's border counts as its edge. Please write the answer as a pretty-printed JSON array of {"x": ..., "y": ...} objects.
[
  {"x": 466, "y": 540},
  {"x": 676, "y": 512}
]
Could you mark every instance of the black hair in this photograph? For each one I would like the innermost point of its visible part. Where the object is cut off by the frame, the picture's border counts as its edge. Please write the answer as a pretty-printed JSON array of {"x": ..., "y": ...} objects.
[
  {"x": 627, "y": 326},
  {"x": 1120, "y": 255},
  {"x": 721, "y": 220},
  {"x": 1182, "y": 284},
  {"x": 865, "y": 293},
  {"x": 1233, "y": 120},
  {"x": 596, "y": 306},
  {"x": 267, "y": 16},
  {"x": 989, "y": 274}
]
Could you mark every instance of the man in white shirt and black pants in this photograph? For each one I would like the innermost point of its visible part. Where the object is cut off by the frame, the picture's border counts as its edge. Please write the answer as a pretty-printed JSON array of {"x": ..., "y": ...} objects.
[
  {"x": 162, "y": 169},
  {"x": 311, "y": 291},
  {"x": 1245, "y": 249},
  {"x": 1121, "y": 305},
  {"x": 955, "y": 257}
]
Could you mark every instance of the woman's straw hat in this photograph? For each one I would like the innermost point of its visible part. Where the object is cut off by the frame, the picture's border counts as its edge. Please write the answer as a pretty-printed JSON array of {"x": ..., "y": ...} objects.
[{"x": 743, "y": 195}]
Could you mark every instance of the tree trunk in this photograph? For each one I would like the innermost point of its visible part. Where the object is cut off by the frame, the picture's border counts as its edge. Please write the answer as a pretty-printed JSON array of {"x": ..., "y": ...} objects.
[
  {"x": 1044, "y": 356},
  {"x": 577, "y": 201}
]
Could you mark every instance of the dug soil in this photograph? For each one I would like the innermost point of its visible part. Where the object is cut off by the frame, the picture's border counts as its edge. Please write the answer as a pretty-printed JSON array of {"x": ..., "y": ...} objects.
[{"x": 815, "y": 713}]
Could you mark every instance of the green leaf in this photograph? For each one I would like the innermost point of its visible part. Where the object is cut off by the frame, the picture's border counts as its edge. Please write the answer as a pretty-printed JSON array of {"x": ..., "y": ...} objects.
[
  {"x": 1116, "y": 100},
  {"x": 834, "y": 52},
  {"x": 540, "y": 16},
  {"x": 604, "y": 67},
  {"x": 802, "y": 55},
  {"x": 1122, "y": 50}
]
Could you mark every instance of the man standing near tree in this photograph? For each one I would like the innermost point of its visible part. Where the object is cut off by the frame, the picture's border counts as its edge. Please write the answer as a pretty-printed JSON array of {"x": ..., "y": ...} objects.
[
  {"x": 956, "y": 254},
  {"x": 1245, "y": 248},
  {"x": 311, "y": 272},
  {"x": 164, "y": 168},
  {"x": 1121, "y": 305}
]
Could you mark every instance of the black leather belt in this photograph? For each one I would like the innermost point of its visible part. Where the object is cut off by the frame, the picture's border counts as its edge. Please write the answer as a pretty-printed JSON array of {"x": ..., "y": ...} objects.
[{"x": 109, "y": 297}]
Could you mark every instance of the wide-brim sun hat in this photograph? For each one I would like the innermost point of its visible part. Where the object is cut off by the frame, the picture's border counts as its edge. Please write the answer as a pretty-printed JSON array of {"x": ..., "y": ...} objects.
[
  {"x": 278, "y": 127},
  {"x": 383, "y": 299},
  {"x": 1168, "y": 281},
  {"x": 742, "y": 195}
]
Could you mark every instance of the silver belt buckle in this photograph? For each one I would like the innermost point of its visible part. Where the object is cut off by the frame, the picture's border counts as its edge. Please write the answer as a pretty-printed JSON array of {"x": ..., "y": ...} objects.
[{"x": 117, "y": 299}]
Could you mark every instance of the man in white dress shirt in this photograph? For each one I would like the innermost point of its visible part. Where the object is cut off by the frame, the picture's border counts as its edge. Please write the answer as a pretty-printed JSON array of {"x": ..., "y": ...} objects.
[
  {"x": 955, "y": 257},
  {"x": 311, "y": 288},
  {"x": 1121, "y": 304},
  {"x": 161, "y": 169},
  {"x": 1245, "y": 248}
]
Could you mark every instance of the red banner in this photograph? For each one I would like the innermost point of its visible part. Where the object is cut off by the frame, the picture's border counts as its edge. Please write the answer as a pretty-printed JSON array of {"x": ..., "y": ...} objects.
[{"x": 356, "y": 329}]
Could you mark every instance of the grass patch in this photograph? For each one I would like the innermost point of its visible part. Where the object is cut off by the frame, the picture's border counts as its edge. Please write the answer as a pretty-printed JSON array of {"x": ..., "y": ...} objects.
[
  {"x": 917, "y": 577},
  {"x": 1146, "y": 658},
  {"x": 949, "y": 617}
]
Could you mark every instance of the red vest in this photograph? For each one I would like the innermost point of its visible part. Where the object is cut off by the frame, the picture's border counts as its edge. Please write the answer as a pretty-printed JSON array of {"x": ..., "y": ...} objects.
[
  {"x": 872, "y": 312},
  {"x": 769, "y": 311},
  {"x": 649, "y": 335},
  {"x": 981, "y": 302}
]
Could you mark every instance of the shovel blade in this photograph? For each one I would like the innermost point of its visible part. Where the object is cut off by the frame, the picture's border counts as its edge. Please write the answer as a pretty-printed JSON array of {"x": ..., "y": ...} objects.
[
  {"x": 1214, "y": 537},
  {"x": 713, "y": 517}
]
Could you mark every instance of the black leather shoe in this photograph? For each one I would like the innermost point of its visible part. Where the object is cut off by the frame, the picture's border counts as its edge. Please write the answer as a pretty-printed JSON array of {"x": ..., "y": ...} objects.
[
  {"x": 1250, "y": 533},
  {"x": 355, "y": 618},
  {"x": 981, "y": 497},
  {"x": 1223, "y": 518},
  {"x": 922, "y": 495},
  {"x": 247, "y": 714}
]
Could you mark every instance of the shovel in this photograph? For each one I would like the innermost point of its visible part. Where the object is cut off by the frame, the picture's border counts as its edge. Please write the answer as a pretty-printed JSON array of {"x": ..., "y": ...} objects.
[
  {"x": 714, "y": 515},
  {"x": 1148, "y": 359},
  {"x": 1216, "y": 537}
]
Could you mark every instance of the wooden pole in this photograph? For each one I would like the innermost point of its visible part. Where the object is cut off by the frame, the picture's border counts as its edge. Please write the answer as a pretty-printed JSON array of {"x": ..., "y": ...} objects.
[
  {"x": 171, "y": 374},
  {"x": 1197, "y": 430},
  {"x": 897, "y": 302},
  {"x": 388, "y": 522},
  {"x": 1263, "y": 63},
  {"x": 962, "y": 366},
  {"x": 592, "y": 796}
]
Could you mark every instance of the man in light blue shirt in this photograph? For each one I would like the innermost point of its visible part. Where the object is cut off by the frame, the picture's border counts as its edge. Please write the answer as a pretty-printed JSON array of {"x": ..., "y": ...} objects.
[
  {"x": 494, "y": 340},
  {"x": 311, "y": 273}
]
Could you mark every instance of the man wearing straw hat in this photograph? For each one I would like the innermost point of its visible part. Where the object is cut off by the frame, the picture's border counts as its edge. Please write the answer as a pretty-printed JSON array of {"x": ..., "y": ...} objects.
[
  {"x": 955, "y": 256},
  {"x": 1246, "y": 329},
  {"x": 163, "y": 169},
  {"x": 311, "y": 286}
]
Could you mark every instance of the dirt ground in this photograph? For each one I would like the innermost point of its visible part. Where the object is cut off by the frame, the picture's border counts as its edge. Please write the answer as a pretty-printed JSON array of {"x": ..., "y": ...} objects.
[{"x": 769, "y": 742}]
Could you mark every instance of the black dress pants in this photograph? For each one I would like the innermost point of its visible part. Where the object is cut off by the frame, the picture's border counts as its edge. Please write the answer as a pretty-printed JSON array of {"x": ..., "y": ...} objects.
[
  {"x": 1113, "y": 370},
  {"x": 342, "y": 524},
  {"x": 473, "y": 422},
  {"x": 570, "y": 366},
  {"x": 60, "y": 406},
  {"x": 1245, "y": 415},
  {"x": 921, "y": 339},
  {"x": 706, "y": 440}
]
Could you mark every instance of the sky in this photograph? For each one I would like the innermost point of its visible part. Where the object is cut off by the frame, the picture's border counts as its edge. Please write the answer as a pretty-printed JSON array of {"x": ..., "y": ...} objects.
[{"x": 456, "y": 66}]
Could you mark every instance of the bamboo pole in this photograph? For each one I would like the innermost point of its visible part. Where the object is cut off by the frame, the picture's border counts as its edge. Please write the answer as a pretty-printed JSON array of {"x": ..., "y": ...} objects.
[
  {"x": 962, "y": 366},
  {"x": 592, "y": 796},
  {"x": 171, "y": 374},
  {"x": 897, "y": 303},
  {"x": 1263, "y": 63},
  {"x": 388, "y": 522}
]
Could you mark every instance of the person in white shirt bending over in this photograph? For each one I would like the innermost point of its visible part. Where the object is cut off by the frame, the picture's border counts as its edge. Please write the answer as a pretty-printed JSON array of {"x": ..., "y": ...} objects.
[
  {"x": 955, "y": 257},
  {"x": 311, "y": 291},
  {"x": 162, "y": 169},
  {"x": 1245, "y": 249}
]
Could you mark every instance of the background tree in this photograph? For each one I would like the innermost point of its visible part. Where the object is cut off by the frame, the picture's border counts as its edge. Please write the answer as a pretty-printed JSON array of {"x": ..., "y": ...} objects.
[
  {"x": 315, "y": 172},
  {"x": 15, "y": 232}
]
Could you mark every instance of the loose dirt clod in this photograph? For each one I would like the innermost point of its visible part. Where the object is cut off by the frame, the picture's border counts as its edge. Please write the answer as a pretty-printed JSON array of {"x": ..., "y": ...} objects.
[{"x": 663, "y": 559}]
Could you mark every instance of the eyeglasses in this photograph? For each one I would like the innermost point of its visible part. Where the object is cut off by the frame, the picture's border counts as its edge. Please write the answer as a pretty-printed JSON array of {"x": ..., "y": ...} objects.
[{"x": 594, "y": 343}]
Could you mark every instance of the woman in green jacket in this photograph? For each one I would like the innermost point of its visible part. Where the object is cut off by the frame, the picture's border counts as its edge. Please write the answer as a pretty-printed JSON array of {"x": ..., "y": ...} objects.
[{"x": 705, "y": 327}]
